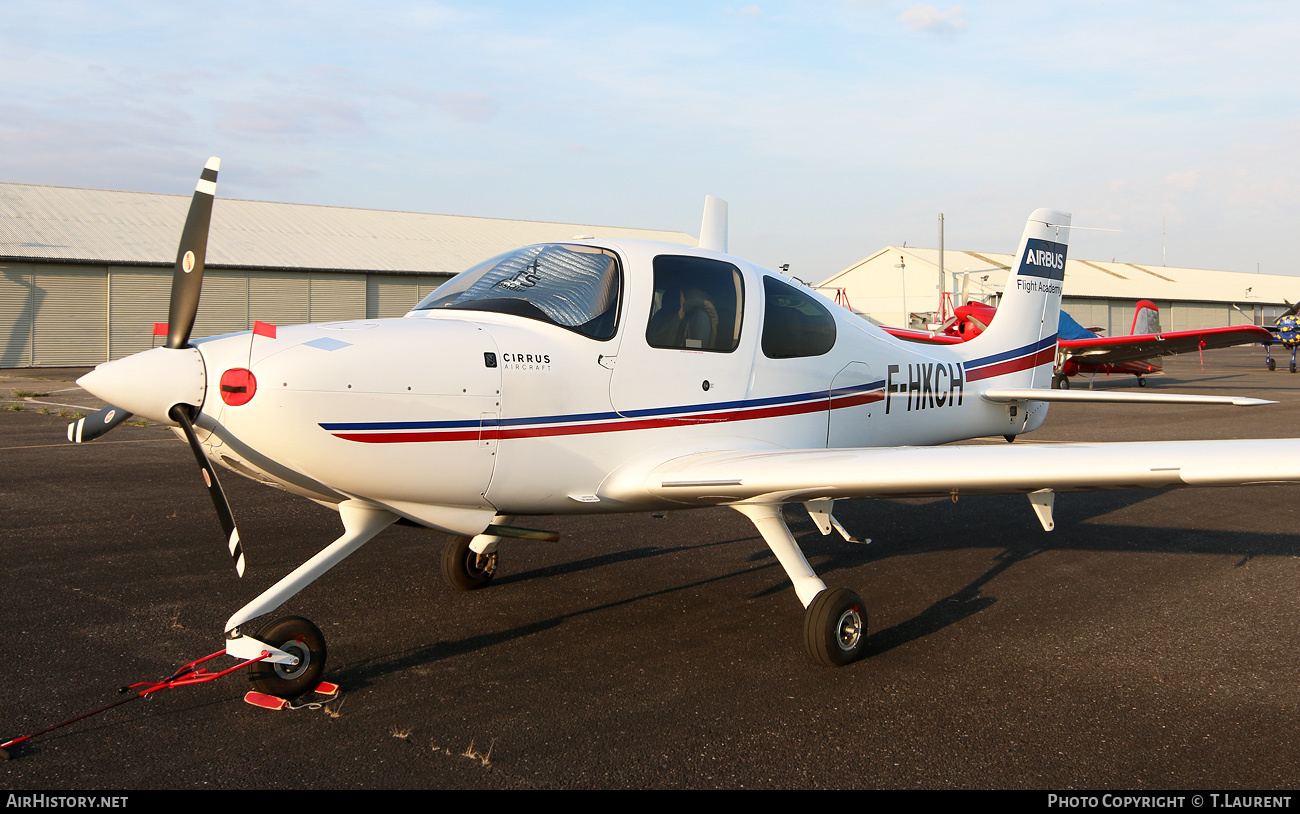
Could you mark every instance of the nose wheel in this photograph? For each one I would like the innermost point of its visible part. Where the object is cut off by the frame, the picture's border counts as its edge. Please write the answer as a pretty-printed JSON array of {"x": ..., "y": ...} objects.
[
  {"x": 299, "y": 638},
  {"x": 835, "y": 627}
]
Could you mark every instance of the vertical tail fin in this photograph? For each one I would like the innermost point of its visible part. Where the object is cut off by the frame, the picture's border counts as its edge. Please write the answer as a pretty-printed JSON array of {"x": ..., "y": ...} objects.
[
  {"x": 1146, "y": 319},
  {"x": 1022, "y": 337}
]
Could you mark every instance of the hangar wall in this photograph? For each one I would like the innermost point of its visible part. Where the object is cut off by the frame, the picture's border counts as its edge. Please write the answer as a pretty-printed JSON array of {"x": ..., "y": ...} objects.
[
  {"x": 72, "y": 315},
  {"x": 85, "y": 273}
]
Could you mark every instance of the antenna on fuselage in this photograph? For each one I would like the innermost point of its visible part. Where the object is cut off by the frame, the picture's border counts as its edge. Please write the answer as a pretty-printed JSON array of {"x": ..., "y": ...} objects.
[{"x": 713, "y": 228}]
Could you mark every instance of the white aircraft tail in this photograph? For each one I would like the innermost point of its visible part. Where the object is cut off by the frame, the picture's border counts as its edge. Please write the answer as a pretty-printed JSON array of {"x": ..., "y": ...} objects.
[{"x": 1020, "y": 344}]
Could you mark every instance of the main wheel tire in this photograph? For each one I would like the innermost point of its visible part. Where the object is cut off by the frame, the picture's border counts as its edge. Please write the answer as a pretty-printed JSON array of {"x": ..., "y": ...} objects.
[
  {"x": 463, "y": 568},
  {"x": 1272, "y": 364},
  {"x": 1142, "y": 382},
  {"x": 298, "y": 637},
  {"x": 835, "y": 627}
]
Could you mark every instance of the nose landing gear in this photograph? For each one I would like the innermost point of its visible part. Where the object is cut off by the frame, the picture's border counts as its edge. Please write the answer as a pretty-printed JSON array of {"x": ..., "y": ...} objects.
[{"x": 299, "y": 638}]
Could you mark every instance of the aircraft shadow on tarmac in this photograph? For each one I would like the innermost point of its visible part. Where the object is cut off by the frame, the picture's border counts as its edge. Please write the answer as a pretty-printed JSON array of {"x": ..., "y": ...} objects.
[
  {"x": 906, "y": 527},
  {"x": 901, "y": 527}
]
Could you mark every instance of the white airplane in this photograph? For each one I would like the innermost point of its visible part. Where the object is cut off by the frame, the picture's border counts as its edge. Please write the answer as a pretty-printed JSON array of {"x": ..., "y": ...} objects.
[{"x": 624, "y": 376}]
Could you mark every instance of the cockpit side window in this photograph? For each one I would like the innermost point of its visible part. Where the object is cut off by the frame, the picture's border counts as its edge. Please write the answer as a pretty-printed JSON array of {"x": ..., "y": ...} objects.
[
  {"x": 698, "y": 304},
  {"x": 572, "y": 286},
  {"x": 794, "y": 323}
]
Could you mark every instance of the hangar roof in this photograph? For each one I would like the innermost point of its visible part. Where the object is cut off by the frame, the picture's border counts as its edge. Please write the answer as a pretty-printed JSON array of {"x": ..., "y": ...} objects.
[
  {"x": 1083, "y": 278},
  {"x": 68, "y": 224}
]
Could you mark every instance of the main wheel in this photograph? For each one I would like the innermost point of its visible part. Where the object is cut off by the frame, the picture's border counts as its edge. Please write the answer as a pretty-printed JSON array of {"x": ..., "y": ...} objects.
[
  {"x": 835, "y": 627},
  {"x": 1142, "y": 382},
  {"x": 465, "y": 569},
  {"x": 1272, "y": 364},
  {"x": 297, "y": 637}
]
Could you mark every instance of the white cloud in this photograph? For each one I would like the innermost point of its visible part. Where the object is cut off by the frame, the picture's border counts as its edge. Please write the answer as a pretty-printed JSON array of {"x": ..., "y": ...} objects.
[{"x": 932, "y": 20}]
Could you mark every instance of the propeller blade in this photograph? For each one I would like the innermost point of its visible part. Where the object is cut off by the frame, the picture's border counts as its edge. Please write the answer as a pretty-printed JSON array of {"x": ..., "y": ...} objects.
[
  {"x": 187, "y": 278},
  {"x": 96, "y": 424},
  {"x": 181, "y": 414}
]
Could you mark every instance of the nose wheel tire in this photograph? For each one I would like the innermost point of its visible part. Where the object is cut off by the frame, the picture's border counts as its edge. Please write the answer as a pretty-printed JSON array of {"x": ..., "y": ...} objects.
[
  {"x": 300, "y": 638},
  {"x": 835, "y": 627},
  {"x": 465, "y": 569}
]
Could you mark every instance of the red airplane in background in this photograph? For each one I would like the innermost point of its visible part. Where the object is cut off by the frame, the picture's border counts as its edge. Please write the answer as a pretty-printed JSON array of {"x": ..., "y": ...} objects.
[{"x": 1080, "y": 350}]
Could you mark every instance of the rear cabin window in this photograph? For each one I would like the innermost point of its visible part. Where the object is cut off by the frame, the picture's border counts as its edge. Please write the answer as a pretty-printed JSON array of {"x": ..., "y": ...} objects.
[
  {"x": 698, "y": 303},
  {"x": 794, "y": 323}
]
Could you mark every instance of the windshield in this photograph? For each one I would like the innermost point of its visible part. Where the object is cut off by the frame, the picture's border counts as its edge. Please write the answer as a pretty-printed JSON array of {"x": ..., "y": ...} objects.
[{"x": 574, "y": 287}]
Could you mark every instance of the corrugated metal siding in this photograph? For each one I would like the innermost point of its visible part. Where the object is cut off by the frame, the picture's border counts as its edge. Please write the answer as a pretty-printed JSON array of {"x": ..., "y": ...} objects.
[
  {"x": 137, "y": 298},
  {"x": 1121, "y": 317},
  {"x": 393, "y": 295},
  {"x": 1191, "y": 316},
  {"x": 224, "y": 306},
  {"x": 280, "y": 298},
  {"x": 337, "y": 297},
  {"x": 16, "y": 286},
  {"x": 1090, "y": 313},
  {"x": 71, "y": 308}
]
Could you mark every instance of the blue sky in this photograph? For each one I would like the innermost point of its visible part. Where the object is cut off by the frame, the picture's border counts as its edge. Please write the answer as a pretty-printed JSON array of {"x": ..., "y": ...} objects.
[{"x": 833, "y": 128}]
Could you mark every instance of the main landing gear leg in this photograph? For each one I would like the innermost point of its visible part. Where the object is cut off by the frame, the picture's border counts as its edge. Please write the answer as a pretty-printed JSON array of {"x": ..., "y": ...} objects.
[
  {"x": 835, "y": 622},
  {"x": 298, "y": 649}
]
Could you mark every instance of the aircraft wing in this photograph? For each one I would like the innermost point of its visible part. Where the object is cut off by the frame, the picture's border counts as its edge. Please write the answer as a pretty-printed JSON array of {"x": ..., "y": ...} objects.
[
  {"x": 1115, "y": 349},
  {"x": 784, "y": 476}
]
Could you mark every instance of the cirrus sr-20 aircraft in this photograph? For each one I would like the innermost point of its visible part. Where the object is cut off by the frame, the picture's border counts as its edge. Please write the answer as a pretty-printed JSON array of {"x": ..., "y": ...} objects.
[{"x": 639, "y": 377}]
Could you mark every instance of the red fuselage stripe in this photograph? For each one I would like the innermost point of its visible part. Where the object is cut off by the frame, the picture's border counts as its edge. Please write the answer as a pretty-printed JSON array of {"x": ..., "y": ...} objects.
[
  {"x": 496, "y": 433},
  {"x": 1043, "y": 357}
]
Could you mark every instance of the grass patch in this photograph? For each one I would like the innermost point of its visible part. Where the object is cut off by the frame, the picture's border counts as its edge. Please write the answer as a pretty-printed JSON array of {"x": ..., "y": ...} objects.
[{"x": 24, "y": 394}]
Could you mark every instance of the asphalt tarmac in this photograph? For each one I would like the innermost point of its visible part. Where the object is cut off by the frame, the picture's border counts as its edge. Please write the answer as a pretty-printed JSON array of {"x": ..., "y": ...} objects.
[{"x": 1148, "y": 642}]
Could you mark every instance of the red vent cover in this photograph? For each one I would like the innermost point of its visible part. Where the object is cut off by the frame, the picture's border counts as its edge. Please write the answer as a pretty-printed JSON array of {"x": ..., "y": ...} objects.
[{"x": 237, "y": 386}]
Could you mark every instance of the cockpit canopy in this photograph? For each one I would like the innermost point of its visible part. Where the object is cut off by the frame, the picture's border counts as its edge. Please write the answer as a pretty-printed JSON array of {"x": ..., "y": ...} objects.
[{"x": 573, "y": 286}]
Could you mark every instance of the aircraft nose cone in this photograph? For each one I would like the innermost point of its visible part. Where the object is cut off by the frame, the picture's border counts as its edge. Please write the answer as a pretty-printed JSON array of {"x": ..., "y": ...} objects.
[{"x": 149, "y": 384}]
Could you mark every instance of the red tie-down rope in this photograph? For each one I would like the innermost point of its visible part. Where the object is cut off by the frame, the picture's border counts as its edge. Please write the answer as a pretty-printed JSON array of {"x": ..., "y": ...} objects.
[{"x": 189, "y": 674}]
